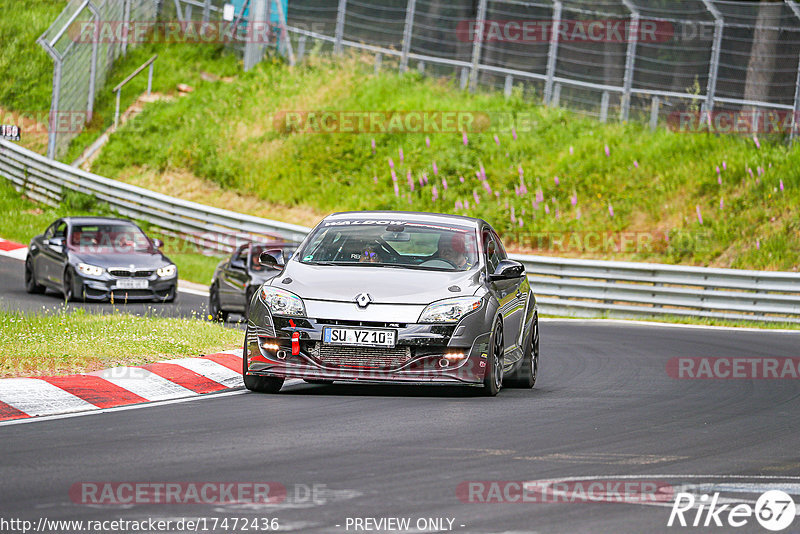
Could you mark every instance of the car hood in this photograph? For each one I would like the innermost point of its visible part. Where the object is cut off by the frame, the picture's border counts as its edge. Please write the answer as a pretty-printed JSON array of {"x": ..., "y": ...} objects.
[
  {"x": 385, "y": 285},
  {"x": 139, "y": 260}
]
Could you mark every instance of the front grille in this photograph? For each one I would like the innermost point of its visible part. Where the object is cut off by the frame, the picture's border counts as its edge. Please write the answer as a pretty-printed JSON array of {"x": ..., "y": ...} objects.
[
  {"x": 361, "y": 357},
  {"x": 254, "y": 332},
  {"x": 127, "y": 273}
]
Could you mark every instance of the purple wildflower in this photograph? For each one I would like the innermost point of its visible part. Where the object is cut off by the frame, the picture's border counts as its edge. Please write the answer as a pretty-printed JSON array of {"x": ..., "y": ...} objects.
[{"x": 699, "y": 215}]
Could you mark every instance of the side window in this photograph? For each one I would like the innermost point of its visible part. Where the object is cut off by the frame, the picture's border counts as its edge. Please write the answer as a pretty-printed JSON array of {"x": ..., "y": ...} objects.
[
  {"x": 492, "y": 251},
  {"x": 242, "y": 255},
  {"x": 48, "y": 234},
  {"x": 61, "y": 230},
  {"x": 501, "y": 251}
]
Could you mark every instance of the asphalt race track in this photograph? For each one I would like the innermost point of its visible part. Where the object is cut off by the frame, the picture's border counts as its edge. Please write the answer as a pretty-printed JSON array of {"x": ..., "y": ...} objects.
[{"x": 604, "y": 406}]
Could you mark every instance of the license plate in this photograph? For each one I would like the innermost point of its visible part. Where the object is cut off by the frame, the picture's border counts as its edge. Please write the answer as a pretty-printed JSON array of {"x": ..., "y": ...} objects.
[
  {"x": 359, "y": 337},
  {"x": 131, "y": 283}
]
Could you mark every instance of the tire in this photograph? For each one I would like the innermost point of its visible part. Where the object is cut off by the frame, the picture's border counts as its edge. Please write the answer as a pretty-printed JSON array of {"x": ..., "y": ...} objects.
[
  {"x": 31, "y": 286},
  {"x": 69, "y": 287},
  {"x": 214, "y": 310},
  {"x": 493, "y": 381},
  {"x": 173, "y": 294},
  {"x": 248, "y": 297},
  {"x": 525, "y": 376},
  {"x": 260, "y": 384}
]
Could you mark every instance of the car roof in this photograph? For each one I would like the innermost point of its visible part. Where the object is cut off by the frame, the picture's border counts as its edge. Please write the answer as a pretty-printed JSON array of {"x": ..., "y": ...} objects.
[
  {"x": 416, "y": 216},
  {"x": 96, "y": 220}
]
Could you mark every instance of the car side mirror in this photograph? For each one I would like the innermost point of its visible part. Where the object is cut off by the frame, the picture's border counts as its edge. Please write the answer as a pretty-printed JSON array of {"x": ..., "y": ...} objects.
[
  {"x": 55, "y": 243},
  {"x": 158, "y": 243},
  {"x": 508, "y": 270},
  {"x": 272, "y": 258}
]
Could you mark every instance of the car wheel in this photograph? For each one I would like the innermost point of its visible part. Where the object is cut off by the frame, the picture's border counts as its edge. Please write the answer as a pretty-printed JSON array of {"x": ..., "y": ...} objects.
[
  {"x": 217, "y": 314},
  {"x": 69, "y": 287},
  {"x": 259, "y": 384},
  {"x": 31, "y": 286},
  {"x": 173, "y": 294},
  {"x": 493, "y": 381},
  {"x": 525, "y": 376}
]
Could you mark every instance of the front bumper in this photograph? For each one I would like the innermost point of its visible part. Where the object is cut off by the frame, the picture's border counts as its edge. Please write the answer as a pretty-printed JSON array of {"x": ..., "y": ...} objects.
[
  {"x": 424, "y": 353},
  {"x": 106, "y": 287}
]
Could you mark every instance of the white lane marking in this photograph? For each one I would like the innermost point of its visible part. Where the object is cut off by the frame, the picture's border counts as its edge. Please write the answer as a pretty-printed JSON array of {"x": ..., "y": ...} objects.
[
  {"x": 625, "y": 322},
  {"x": 36, "y": 397},
  {"x": 144, "y": 383},
  {"x": 211, "y": 370},
  {"x": 97, "y": 411},
  {"x": 192, "y": 291}
]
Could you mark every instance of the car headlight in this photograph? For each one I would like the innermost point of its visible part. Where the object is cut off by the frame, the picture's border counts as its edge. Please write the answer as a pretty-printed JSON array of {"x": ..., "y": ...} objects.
[
  {"x": 166, "y": 272},
  {"x": 449, "y": 310},
  {"x": 282, "y": 302},
  {"x": 90, "y": 270}
]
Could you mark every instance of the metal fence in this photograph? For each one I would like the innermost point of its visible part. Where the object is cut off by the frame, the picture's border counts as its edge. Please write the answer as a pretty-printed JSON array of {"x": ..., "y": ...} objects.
[
  {"x": 678, "y": 55},
  {"x": 562, "y": 286},
  {"x": 82, "y": 65}
]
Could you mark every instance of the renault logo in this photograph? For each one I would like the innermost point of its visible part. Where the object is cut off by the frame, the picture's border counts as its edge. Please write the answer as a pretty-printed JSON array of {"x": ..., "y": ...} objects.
[{"x": 363, "y": 300}]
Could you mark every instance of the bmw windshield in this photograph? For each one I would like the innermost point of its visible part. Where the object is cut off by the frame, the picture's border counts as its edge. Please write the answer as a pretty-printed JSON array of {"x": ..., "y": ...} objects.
[{"x": 414, "y": 245}]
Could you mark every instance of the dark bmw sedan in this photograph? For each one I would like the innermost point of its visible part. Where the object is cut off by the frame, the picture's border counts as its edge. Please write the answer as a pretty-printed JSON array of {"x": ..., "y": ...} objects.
[
  {"x": 237, "y": 278},
  {"x": 99, "y": 258}
]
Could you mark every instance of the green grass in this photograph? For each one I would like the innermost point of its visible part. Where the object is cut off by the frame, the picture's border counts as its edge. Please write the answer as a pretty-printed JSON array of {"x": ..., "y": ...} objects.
[
  {"x": 23, "y": 219},
  {"x": 654, "y": 181},
  {"x": 27, "y": 347},
  {"x": 27, "y": 71},
  {"x": 176, "y": 64},
  {"x": 701, "y": 321}
]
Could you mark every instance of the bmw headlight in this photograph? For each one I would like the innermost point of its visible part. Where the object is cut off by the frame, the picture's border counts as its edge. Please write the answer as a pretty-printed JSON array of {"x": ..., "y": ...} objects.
[
  {"x": 449, "y": 310},
  {"x": 282, "y": 302},
  {"x": 167, "y": 272},
  {"x": 90, "y": 270}
]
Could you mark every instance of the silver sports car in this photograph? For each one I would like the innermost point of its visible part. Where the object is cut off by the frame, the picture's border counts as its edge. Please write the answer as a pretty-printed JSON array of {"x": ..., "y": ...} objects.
[{"x": 395, "y": 297}]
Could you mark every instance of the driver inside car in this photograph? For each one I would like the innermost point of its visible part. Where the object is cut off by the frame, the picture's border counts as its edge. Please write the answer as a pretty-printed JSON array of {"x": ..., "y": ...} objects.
[{"x": 454, "y": 251}]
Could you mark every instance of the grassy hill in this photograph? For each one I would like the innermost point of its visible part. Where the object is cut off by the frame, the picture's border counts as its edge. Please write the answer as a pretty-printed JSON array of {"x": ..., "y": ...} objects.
[{"x": 578, "y": 187}]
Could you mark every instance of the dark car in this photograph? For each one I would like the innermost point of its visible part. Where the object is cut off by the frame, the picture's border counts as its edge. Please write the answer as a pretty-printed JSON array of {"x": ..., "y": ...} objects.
[
  {"x": 99, "y": 258},
  {"x": 237, "y": 278},
  {"x": 395, "y": 297}
]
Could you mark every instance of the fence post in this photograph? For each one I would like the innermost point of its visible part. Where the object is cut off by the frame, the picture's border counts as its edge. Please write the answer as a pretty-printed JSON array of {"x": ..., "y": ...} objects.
[
  {"x": 508, "y": 86},
  {"x": 116, "y": 113},
  {"x": 93, "y": 65},
  {"x": 282, "y": 21},
  {"x": 178, "y": 11},
  {"x": 408, "y": 31},
  {"x": 630, "y": 60},
  {"x": 552, "y": 54},
  {"x": 126, "y": 19},
  {"x": 337, "y": 45},
  {"x": 150, "y": 79},
  {"x": 378, "y": 61},
  {"x": 656, "y": 104},
  {"x": 53, "y": 122},
  {"x": 301, "y": 47},
  {"x": 716, "y": 49},
  {"x": 464, "y": 78},
  {"x": 796, "y": 109},
  {"x": 477, "y": 45},
  {"x": 604, "y": 107},
  {"x": 556, "y": 95},
  {"x": 206, "y": 11}
]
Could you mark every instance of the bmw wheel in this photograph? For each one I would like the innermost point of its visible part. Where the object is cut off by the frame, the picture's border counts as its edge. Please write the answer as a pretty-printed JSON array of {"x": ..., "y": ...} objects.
[
  {"x": 493, "y": 380},
  {"x": 31, "y": 286},
  {"x": 217, "y": 314},
  {"x": 69, "y": 287}
]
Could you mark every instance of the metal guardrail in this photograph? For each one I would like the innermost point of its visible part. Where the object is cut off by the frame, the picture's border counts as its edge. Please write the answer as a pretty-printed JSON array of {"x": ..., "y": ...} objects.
[
  {"x": 562, "y": 286},
  {"x": 134, "y": 74},
  {"x": 46, "y": 181}
]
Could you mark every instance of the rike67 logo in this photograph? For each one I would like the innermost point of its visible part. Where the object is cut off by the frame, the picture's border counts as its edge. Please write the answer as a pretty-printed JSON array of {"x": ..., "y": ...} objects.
[{"x": 774, "y": 510}]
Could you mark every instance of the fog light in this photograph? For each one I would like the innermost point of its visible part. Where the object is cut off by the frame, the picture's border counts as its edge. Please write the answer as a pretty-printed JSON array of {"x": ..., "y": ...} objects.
[
  {"x": 270, "y": 346},
  {"x": 455, "y": 356}
]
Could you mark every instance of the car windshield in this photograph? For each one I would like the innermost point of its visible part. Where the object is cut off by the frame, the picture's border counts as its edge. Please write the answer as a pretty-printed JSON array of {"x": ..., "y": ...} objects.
[
  {"x": 441, "y": 247},
  {"x": 120, "y": 238}
]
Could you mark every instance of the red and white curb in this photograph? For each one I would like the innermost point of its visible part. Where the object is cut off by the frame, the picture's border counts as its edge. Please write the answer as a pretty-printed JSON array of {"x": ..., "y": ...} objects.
[
  {"x": 23, "y": 398},
  {"x": 13, "y": 250}
]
